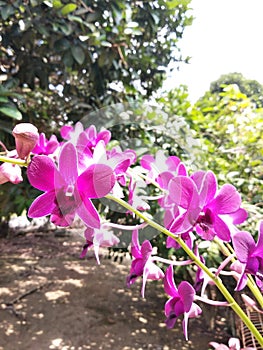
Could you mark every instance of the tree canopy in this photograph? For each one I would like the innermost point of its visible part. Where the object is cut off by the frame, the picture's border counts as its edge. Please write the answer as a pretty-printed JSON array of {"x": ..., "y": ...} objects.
[
  {"x": 251, "y": 88},
  {"x": 65, "y": 58}
]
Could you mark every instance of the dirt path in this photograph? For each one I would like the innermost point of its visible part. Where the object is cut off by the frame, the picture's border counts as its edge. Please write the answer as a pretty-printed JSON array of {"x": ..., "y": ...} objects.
[{"x": 51, "y": 299}]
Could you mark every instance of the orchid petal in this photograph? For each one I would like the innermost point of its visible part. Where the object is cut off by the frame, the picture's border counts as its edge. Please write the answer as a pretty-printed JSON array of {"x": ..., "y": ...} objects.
[
  {"x": 260, "y": 239},
  {"x": 206, "y": 184},
  {"x": 183, "y": 191},
  {"x": 187, "y": 293},
  {"x": 68, "y": 163},
  {"x": 228, "y": 200},
  {"x": 146, "y": 161},
  {"x": 253, "y": 265},
  {"x": 172, "y": 163},
  {"x": 91, "y": 132},
  {"x": 42, "y": 205},
  {"x": 221, "y": 229},
  {"x": 239, "y": 216},
  {"x": 169, "y": 285},
  {"x": 88, "y": 213},
  {"x": 62, "y": 220},
  {"x": 243, "y": 244},
  {"x": 164, "y": 178},
  {"x": 185, "y": 325},
  {"x": 65, "y": 131},
  {"x": 96, "y": 181},
  {"x": 146, "y": 250},
  {"x": 135, "y": 245},
  {"x": 169, "y": 306},
  {"x": 41, "y": 173},
  {"x": 105, "y": 136}
]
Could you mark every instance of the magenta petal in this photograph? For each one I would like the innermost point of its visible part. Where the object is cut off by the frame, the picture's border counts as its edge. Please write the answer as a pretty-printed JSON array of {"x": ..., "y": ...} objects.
[
  {"x": 207, "y": 186},
  {"x": 228, "y": 200},
  {"x": 104, "y": 135},
  {"x": 169, "y": 285},
  {"x": 146, "y": 250},
  {"x": 96, "y": 182},
  {"x": 68, "y": 163},
  {"x": 169, "y": 307},
  {"x": 146, "y": 161},
  {"x": 183, "y": 192},
  {"x": 42, "y": 205},
  {"x": 65, "y": 131},
  {"x": 239, "y": 216},
  {"x": 187, "y": 293},
  {"x": 150, "y": 272},
  {"x": 137, "y": 267},
  {"x": 91, "y": 132},
  {"x": 88, "y": 213},
  {"x": 82, "y": 143},
  {"x": 164, "y": 178},
  {"x": 179, "y": 308},
  {"x": 243, "y": 244},
  {"x": 253, "y": 265},
  {"x": 135, "y": 245},
  {"x": 172, "y": 162},
  {"x": 41, "y": 173},
  {"x": 221, "y": 229},
  {"x": 260, "y": 239}
]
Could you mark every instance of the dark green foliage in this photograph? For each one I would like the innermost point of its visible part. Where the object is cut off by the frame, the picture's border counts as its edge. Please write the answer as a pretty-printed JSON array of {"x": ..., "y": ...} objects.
[
  {"x": 84, "y": 48},
  {"x": 251, "y": 88}
]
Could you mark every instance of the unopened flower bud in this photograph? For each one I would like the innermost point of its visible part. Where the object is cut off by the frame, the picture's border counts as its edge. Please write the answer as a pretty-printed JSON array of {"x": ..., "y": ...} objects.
[
  {"x": 10, "y": 172},
  {"x": 26, "y": 136}
]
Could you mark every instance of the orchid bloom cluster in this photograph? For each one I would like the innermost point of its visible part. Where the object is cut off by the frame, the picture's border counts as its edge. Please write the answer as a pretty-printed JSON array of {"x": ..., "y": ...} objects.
[{"x": 73, "y": 173}]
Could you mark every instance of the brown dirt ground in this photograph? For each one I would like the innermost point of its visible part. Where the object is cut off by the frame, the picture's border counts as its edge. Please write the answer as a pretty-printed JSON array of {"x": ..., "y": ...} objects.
[{"x": 52, "y": 299}]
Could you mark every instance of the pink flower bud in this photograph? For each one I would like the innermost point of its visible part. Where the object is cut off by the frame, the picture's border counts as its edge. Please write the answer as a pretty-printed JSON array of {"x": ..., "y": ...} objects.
[
  {"x": 26, "y": 136},
  {"x": 10, "y": 172}
]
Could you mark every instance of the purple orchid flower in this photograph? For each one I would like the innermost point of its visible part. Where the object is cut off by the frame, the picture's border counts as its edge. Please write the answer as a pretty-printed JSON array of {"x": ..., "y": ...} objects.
[
  {"x": 220, "y": 209},
  {"x": 92, "y": 137},
  {"x": 45, "y": 146},
  {"x": 181, "y": 301},
  {"x": 249, "y": 254},
  {"x": 66, "y": 192},
  {"x": 233, "y": 344},
  {"x": 182, "y": 205},
  {"x": 98, "y": 238},
  {"x": 161, "y": 163},
  {"x": 142, "y": 265}
]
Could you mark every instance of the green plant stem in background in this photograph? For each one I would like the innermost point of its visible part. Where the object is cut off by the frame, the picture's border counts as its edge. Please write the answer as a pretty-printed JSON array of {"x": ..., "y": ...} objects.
[
  {"x": 232, "y": 303},
  {"x": 19, "y": 162}
]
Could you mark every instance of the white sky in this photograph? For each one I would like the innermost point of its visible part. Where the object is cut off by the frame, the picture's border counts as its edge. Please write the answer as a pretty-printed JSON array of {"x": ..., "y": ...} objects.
[{"x": 226, "y": 36}]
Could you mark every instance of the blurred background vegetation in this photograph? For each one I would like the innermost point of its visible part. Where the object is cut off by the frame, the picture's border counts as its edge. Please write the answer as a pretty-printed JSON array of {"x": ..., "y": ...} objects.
[{"x": 63, "y": 61}]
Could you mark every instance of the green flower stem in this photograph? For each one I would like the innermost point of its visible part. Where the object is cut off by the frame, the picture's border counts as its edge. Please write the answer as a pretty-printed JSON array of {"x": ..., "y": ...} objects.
[
  {"x": 228, "y": 250},
  {"x": 19, "y": 162},
  {"x": 232, "y": 303}
]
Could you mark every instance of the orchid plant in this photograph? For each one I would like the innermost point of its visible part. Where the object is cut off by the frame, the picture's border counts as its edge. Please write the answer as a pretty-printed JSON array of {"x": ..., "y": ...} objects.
[{"x": 82, "y": 169}]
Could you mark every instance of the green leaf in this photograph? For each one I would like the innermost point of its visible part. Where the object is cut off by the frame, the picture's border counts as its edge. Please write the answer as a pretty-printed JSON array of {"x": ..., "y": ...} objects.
[
  {"x": 78, "y": 54},
  {"x": 7, "y": 11},
  {"x": 68, "y": 9},
  {"x": 3, "y": 99},
  {"x": 62, "y": 45},
  {"x": 68, "y": 59},
  {"x": 57, "y": 4},
  {"x": 11, "y": 112}
]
